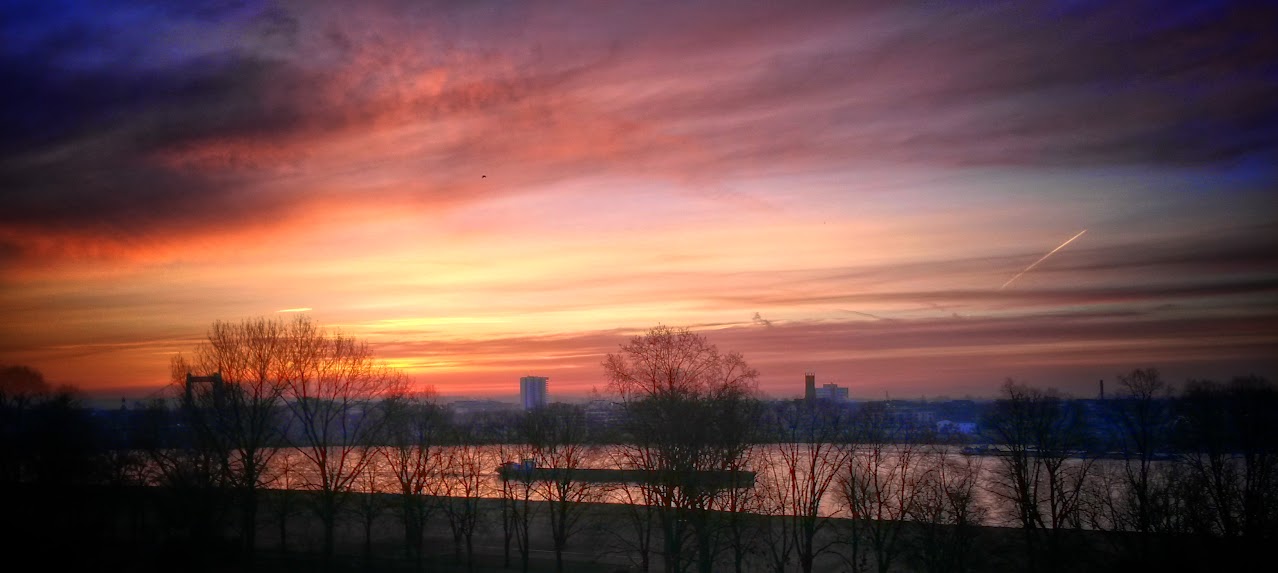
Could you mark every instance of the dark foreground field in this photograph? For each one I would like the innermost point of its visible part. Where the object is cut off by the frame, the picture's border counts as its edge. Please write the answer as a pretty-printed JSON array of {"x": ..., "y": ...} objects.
[{"x": 149, "y": 529}]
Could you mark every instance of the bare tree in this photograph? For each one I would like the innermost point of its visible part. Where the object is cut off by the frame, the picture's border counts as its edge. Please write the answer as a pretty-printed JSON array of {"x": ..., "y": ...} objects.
[
  {"x": 48, "y": 447},
  {"x": 415, "y": 433},
  {"x": 334, "y": 385},
  {"x": 282, "y": 475},
  {"x": 689, "y": 410},
  {"x": 235, "y": 400},
  {"x": 944, "y": 505},
  {"x": 1043, "y": 467},
  {"x": 45, "y": 438},
  {"x": 189, "y": 469},
  {"x": 640, "y": 505},
  {"x": 1139, "y": 498},
  {"x": 813, "y": 448},
  {"x": 558, "y": 441},
  {"x": 462, "y": 485},
  {"x": 736, "y": 510},
  {"x": 369, "y": 505},
  {"x": 880, "y": 485},
  {"x": 1228, "y": 436},
  {"x": 517, "y": 489},
  {"x": 21, "y": 388},
  {"x": 189, "y": 451},
  {"x": 777, "y": 531}
]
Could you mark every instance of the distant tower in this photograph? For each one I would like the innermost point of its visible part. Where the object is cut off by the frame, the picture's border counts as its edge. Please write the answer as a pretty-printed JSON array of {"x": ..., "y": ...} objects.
[
  {"x": 809, "y": 386},
  {"x": 214, "y": 382},
  {"x": 532, "y": 392},
  {"x": 1102, "y": 389}
]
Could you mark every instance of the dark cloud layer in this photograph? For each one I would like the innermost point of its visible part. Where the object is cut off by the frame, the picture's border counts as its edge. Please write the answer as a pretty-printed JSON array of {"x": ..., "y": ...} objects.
[{"x": 98, "y": 94}]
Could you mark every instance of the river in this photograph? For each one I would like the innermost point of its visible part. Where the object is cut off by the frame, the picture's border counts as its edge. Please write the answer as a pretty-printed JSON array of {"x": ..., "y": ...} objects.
[{"x": 900, "y": 469}]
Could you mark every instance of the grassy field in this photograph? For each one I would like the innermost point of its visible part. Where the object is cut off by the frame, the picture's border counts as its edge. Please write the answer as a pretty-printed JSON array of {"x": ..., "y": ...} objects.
[{"x": 148, "y": 529}]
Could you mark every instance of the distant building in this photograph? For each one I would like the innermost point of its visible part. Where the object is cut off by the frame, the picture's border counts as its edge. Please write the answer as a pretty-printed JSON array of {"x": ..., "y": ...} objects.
[
  {"x": 832, "y": 392},
  {"x": 532, "y": 392},
  {"x": 950, "y": 427},
  {"x": 603, "y": 413},
  {"x": 809, "y": 386},
  {"x": 464, "y": 409}
]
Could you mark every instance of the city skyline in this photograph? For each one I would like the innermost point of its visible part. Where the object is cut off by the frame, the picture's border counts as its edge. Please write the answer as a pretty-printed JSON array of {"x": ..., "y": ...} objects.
[{"x": 914, "y": 200}]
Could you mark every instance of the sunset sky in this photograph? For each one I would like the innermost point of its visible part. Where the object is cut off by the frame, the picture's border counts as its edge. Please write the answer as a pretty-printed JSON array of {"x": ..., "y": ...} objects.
[{"x": 484, "y": 190}]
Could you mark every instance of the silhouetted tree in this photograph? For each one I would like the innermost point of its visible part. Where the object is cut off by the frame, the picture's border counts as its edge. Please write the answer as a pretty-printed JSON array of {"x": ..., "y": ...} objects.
[
  {"x": 20, "y": 388},
  {"x": 416, "y": 430},
  {"x": 370, "y": 505},
  {"x": 735, "y": 522},
  {"x": 558, "y": 442},
  {"x": 190, "y": 459},
  {"x": 191, "y": 471},
  {"x": 881, "y": 482},
  {"x": 640, "y": 509},
  {"x": 777, "y": 532},
  {"x": 1140, "y": 500},
  {"x": 1042, "y": 470},
  {"x": 517, "y": 489},
  {"x": 236, "y": 400},
  {"x": 689, "y": 410},
  {"x": 462, "y": 486},
  {"x": 45, "y": 436},
  {"x": 1228, "y": 435},
  {"x": 945, "y": 507},
  {"x": 334, "y": 388},
  {"x": 282, "y": 475},
  {"x": 49, "y": 451},
  {"x": 814, "y": 446}
]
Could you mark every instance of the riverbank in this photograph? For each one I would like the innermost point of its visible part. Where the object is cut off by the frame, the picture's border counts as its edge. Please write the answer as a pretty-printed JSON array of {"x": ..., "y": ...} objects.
[{"x": 152, "y": 529}]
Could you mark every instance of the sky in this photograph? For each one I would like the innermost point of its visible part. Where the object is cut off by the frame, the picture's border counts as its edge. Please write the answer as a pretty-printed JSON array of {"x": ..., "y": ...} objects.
[{"x": 485, "y": 190}]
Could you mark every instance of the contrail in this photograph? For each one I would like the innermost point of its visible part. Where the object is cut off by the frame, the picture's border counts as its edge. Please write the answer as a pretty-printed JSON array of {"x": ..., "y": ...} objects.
[
  {"x": 304, "y": 309},
  {"x": 1027, "y": 269}
]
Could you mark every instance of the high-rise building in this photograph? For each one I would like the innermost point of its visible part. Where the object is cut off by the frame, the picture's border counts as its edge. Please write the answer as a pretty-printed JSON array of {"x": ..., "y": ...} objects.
[
  {"x": 532, "y": 391},
  {"x": 809, "y": 386}
]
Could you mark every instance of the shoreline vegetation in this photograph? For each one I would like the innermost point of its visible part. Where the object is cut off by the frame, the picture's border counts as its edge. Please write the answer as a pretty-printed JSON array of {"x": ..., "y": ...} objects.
[
  {"x": 150, "y": 529},
  {"x": 839, "y": 486}
]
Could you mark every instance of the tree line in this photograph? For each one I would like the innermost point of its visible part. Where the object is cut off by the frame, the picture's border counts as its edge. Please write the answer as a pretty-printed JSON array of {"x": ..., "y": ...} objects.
[{"x": 730, "y": 482}]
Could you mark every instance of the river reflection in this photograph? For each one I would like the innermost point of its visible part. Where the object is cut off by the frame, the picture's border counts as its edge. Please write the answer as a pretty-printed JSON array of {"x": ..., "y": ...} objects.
[{"x": 290, "y": 469}]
